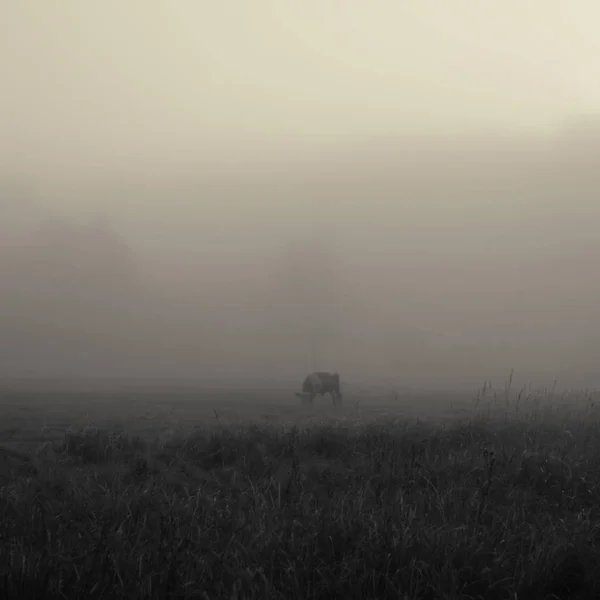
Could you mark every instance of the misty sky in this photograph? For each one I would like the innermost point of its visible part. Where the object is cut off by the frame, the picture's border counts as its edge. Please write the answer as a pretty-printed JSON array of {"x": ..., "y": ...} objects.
[
  {"x": 375, "y": 187},
  {"x": 99, "y": 84}
]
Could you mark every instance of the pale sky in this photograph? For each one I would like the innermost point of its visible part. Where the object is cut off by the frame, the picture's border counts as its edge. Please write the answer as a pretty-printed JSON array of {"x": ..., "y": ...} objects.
[
  {"x": 124, "y": 82},
  {"x": 486, "y": 249}
]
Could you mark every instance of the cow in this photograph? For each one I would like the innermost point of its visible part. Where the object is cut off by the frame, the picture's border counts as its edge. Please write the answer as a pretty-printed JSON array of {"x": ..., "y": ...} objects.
[{"x": 321, "y": 383}]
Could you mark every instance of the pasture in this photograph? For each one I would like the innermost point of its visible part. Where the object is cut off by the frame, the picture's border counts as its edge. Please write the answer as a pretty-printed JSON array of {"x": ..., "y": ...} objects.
[{"x": 224, "y": 493}]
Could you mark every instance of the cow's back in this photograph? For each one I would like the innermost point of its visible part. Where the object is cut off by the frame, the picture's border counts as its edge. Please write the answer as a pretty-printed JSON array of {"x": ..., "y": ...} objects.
[{"x": 330, "y": 382}]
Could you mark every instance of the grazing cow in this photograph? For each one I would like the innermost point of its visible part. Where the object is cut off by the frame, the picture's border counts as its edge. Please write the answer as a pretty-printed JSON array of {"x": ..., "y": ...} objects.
[{"x": 320, "y": 384}]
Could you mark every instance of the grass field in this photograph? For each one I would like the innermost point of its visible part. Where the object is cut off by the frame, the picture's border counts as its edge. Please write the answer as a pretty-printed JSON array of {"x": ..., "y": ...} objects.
[{"x": 249, "y": 494}]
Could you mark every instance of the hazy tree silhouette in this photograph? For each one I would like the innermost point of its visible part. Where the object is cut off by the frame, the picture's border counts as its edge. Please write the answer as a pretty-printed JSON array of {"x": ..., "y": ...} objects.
[
  {"x": 69, "y": 290},
  {"x": 307, "y": 286}
]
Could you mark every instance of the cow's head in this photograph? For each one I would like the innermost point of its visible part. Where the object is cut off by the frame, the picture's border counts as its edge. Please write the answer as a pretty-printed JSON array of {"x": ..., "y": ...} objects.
[{"x": 303, "y": 396}]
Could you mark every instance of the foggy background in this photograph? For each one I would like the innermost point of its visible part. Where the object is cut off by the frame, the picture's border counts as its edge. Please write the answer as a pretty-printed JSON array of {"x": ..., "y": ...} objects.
[{"x": 402, "y": 192}]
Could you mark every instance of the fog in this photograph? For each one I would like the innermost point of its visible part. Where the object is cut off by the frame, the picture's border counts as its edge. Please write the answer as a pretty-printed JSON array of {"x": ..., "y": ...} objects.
[{"x": 401, "y": 192}]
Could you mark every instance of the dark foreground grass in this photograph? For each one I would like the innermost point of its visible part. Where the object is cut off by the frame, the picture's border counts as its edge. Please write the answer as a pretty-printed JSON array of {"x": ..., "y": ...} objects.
[{"x": 491, "y": 508}]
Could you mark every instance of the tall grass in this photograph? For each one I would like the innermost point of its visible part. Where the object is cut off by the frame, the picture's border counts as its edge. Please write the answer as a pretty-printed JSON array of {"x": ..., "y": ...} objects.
[{"x": 502, "y": 504}]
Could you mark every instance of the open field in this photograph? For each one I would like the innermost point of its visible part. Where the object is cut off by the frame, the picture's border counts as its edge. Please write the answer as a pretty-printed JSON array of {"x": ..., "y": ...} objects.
[
  {"x": 249, "y": 494},
  {"x": 30, "y": 417}
]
